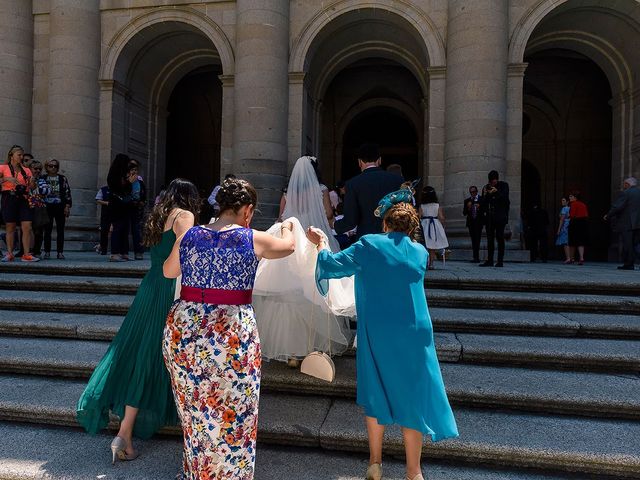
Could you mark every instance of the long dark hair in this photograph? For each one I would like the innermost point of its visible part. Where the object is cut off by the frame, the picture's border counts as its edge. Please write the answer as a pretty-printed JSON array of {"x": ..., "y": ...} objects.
[
  {"x": 116, "y": 178},
  {"x": 180, "y": 193}
]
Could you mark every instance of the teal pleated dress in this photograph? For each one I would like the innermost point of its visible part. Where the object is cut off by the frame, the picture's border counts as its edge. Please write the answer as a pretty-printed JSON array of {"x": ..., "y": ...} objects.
[
  {"x": 398, "y": 374},
  {"x": 132, "y": 372}
]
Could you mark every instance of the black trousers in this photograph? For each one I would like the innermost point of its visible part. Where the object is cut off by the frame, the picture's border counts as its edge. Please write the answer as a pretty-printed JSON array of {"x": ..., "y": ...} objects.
[
  {"x": 495, "y": 232},
  {"x": 120, "y": 219},
  {"x": 538, "y": 245},
  {"x": 630, "y": 241},
  {"x": 56, "y": 213},
  {"x": 475, "y": 232},
  {"x": 135, "y": 223},
  {"x": 105, "y": 226}
]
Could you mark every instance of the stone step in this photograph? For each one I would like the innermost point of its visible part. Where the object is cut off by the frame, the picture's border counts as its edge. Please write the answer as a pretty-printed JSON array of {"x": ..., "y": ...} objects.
[
  {"x": 66, "y": 357},
  {"x": 507, "y": 322},
  {"x": 67, "y": 454},
  {"x": 599, "y": 279},
  {"x": 472, "y": 384},
  {"x": 487, "y": 437},
  {"x": 73, "y": 301},
  {"x": 533, "y": 301},
  {"x": 71, "y": 284}
]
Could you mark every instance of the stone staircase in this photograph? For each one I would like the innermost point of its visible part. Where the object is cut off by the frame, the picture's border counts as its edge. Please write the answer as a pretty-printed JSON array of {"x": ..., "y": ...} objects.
[{"x": 541, "y": 363}]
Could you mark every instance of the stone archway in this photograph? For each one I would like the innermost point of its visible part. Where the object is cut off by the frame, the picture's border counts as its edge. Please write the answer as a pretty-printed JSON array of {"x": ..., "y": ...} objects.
[
  {"x": 335, "y": 51},
  {"x": 144, "y": 63},
  {"x": 591, "y": 32}
]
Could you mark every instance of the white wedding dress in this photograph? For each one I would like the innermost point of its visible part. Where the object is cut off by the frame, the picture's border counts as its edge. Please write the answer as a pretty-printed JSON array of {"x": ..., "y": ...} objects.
[{"x": 293, "y": 318}]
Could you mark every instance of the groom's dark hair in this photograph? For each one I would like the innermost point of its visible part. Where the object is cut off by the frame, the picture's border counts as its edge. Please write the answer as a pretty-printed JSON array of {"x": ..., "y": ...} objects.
[{"x": 369, "y": 152}]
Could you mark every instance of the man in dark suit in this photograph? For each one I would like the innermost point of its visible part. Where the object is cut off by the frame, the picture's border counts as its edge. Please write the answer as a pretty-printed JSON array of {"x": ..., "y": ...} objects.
[
  {"x": 471, "y": 210},
  {"x": 625, "y": 211},
  {"x": 363, "y": 193},
  {"x": 495, "y": 205}
]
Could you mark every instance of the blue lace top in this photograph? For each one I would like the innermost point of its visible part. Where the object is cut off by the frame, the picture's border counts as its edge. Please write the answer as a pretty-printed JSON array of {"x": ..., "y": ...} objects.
[{"x": 222, "y": 260}]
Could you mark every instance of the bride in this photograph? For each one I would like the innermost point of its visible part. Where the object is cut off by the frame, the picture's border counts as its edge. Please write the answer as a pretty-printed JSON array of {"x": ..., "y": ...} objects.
[{"x": 293, "y": 319}]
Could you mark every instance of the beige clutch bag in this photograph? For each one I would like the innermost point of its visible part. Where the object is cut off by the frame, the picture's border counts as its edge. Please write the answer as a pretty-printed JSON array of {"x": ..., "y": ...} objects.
[{"x": 319, "y": 365}]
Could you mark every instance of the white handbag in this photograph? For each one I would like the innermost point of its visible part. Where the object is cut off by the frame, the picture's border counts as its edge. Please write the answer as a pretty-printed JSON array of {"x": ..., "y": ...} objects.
[{"x": 319, "y": 364}]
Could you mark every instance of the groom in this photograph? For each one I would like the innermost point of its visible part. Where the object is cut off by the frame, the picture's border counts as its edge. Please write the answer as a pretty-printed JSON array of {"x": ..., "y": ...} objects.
[{"x": 364, "y": 191}]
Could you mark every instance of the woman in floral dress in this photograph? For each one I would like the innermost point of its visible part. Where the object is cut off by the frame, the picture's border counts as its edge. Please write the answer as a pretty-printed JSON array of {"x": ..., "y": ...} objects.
[{"x": 211, "y": 345}]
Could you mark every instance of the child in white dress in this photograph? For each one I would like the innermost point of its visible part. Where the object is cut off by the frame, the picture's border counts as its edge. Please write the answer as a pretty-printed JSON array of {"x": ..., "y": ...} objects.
[{"x": 432, "y": 220}]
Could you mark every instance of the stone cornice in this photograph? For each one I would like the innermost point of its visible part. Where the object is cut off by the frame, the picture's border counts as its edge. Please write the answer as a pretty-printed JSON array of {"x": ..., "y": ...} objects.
[
  {"x": 227, "y": 80},
  {"x": 296, "y": 77},
  {"x": 113, "y": 86},
  {"x": 516, "y": 69},
  {"x": 437, "y": 72}
]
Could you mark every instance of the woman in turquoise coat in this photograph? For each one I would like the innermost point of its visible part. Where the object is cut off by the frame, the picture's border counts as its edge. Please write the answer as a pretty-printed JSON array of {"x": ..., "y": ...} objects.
[{"x": 398, "y": 375}]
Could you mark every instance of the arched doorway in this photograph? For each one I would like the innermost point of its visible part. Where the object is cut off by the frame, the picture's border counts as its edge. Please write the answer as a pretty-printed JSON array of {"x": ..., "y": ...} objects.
[
  {"x": 390, "y": 129},
  {"x": 578, "y": 104},
  {"x": 366, "y": 82},
  {"x": 193, "y": 129},
  {"x": 167, "y": 69}
]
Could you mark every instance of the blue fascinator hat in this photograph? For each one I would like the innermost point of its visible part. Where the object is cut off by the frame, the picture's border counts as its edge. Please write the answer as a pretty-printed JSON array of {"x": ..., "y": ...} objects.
[{"x": 404, "y": 195}]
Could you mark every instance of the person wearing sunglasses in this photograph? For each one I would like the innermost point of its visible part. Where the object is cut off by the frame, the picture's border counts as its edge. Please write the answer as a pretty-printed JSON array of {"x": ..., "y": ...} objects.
[
  {"x": 58, "y": 202},
  {"x": 16, "y": 181}
]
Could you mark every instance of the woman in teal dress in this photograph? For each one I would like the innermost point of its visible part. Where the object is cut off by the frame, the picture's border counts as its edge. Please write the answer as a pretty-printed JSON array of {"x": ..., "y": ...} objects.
[
  {"x": 398, "y": 375},
  {"x": 131, "y": 379}
]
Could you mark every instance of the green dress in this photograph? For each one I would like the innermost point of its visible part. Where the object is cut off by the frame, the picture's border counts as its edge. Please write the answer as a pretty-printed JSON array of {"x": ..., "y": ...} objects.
[{"x": 132, "y": 372}]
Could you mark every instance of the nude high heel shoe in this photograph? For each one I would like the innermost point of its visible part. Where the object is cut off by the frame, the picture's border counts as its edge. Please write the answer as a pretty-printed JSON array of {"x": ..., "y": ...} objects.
[
  {"x": 374, "y": 472},
  {"x": 417, "y": 477},
  {"x": 118, "y": 450}
]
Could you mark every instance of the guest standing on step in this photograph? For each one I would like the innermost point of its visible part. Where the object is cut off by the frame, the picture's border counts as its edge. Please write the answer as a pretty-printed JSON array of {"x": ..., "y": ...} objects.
[
  {"x": 16, "y": 181},
  {"x": 363, "y": 193},
  {"x": 398, "y": 373},
  {"x": 578, "y": 227},
  {"x": 102, "y": 199},
  {"x": 211, "y": 345},
  {"x": 495, "y": 204},
  {"x": 432, "y": 219},
  {"x": 120, "y": 180},
  {"x": 131, "y": 380},
  {"x": 626, "y": 212},
  {"x": 471, "y": 210},
  {"x": 58, "y": 202}
]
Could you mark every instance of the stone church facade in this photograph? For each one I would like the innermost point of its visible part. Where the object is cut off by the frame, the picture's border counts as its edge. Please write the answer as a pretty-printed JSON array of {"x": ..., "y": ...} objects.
[{"x": 547, "y": 92}]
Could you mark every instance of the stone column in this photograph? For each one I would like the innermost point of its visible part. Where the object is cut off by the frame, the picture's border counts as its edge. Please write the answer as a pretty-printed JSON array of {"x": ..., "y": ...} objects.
[
  {"x": 16, "y": 74},
  {"x": 434, "y": 119},
  {"x": 74, "y": 98},
  {"x": 476, "y": 103},
  {"x": 515, "y": 77},
  {"x": 226, "y": 129},
  {"x": 261, "y": 100},
  {"x": 296, "y": 117}
]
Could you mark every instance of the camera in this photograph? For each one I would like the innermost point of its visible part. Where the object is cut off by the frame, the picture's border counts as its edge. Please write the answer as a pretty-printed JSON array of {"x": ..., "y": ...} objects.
[{"x": 21, "y": 190}]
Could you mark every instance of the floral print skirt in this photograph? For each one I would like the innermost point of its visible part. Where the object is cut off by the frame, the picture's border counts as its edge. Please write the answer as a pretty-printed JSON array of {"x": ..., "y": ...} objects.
[{"x": 212, "y": 353}]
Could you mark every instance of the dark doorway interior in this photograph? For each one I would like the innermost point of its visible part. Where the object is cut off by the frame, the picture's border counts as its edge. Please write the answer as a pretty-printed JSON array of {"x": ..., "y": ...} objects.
[
  {"x": 388, "y": 128},
  {"x": 567, "y": 139},
  {"x": 193, "y": 130}
]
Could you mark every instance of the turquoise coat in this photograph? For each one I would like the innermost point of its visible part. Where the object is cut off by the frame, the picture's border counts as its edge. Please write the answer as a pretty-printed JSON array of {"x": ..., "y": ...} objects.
[{"x": 398, "y": 374}]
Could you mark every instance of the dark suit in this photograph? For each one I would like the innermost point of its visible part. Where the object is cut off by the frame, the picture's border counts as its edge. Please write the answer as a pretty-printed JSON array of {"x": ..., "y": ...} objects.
[
  {"x": 496, "y": 214},
  {"x": 472, "y": 210},
  {"x": 625, "y": 212},
  {"x": 361, "y": 199}
]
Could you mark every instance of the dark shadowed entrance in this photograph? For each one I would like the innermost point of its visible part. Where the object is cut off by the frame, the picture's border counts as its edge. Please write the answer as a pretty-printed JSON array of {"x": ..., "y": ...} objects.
[{"x": 193, "y": 129}]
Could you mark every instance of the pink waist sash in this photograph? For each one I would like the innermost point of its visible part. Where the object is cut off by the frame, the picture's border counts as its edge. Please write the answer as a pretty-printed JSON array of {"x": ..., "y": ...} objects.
[{"x": 215, "y": 296}]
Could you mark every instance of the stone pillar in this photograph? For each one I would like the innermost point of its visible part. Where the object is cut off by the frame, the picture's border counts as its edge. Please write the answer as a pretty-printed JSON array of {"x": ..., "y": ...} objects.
[
  {"x": 296, "y": 118},
  {"x": 261, "y": 100},
  {"x": 476, "y": 99},
  {"x": 74, "y": 98},
  {"x": 515, "y": 77},
  {"x": 16, "y": 74},
  {"x": 434, "y": 119},
  {"x": 226, "y": 129}
]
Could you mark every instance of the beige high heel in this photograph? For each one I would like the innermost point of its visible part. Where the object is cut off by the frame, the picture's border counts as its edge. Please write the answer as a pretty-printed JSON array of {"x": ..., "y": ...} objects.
[
  {"x": 118, "y": 450},
  {"x": 417, "y": 477},
  {"x": 374, "y": 472}
]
